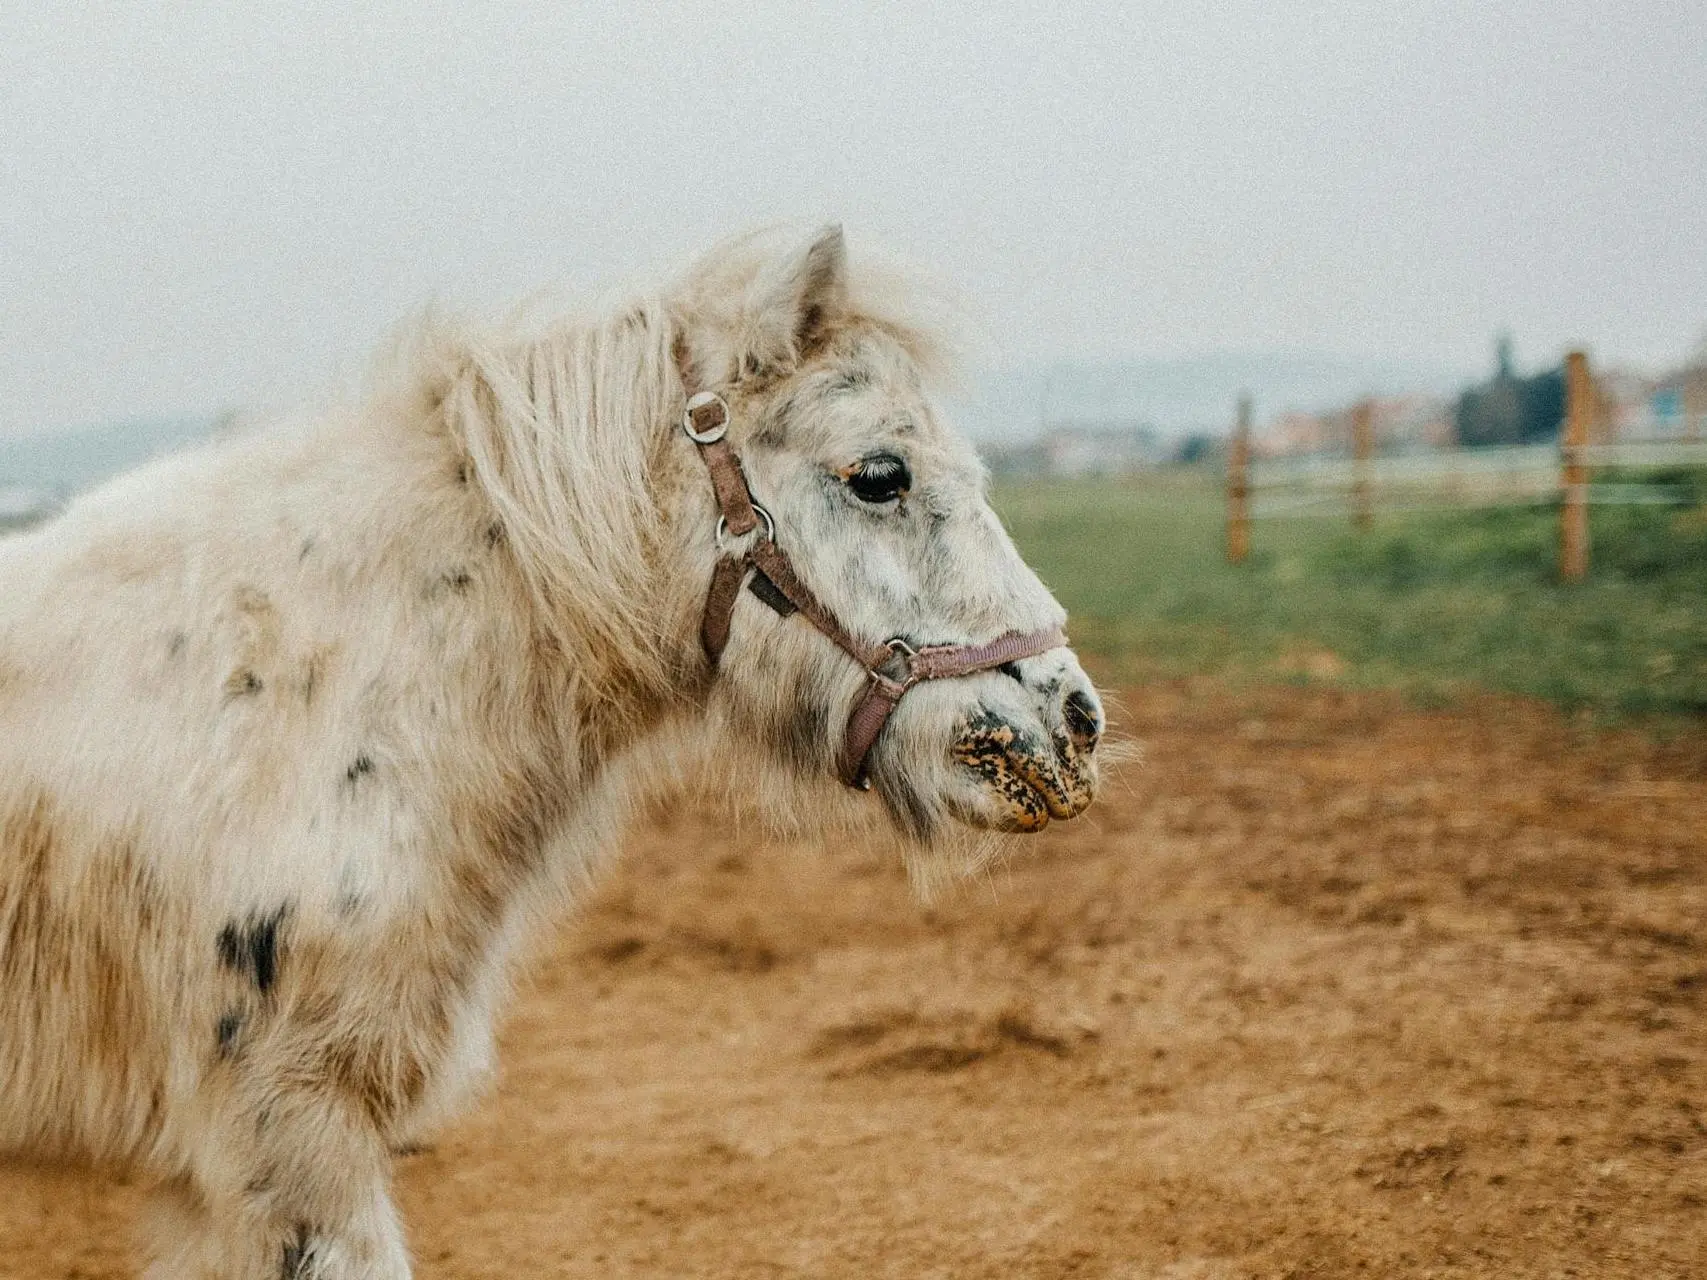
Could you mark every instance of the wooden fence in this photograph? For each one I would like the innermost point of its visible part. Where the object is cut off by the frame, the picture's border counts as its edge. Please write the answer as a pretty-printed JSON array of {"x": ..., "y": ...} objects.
[{"x": 1358, "y": 486}]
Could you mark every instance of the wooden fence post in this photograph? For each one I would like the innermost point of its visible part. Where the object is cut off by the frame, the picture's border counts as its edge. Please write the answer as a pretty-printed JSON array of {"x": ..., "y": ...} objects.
[
  {"x": 1239, "y": 487},
  {"x": 1362, "y": 450},
  {"x": 1573, "y": 504}
]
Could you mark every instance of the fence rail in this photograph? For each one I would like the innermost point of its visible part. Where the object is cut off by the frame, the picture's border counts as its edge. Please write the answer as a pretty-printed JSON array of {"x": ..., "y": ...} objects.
[
  {"x": 1464, "y": 478},
  {"x": 1444, "y": 467}
]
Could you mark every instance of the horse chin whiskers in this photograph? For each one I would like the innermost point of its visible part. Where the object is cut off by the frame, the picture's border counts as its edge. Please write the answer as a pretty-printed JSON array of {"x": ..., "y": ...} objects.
[{"x": 956, "y": 855}]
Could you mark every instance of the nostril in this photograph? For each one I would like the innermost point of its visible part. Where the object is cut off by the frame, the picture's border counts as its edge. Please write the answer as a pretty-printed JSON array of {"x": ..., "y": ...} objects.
[
  {"x": 1011, "y": 671},
  {"x": 1084, "y": 721}
]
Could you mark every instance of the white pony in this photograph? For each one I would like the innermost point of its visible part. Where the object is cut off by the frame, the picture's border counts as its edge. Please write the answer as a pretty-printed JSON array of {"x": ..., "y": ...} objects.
[{"x": 302, "y": 730}]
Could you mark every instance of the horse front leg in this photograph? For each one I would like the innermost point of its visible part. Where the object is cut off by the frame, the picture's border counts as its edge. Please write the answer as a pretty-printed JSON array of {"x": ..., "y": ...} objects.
[{"x": 299, "y": 1190}]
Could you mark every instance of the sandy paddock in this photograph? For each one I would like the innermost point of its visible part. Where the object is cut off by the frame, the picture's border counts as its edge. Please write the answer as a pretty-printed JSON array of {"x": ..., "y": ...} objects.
[{"x": 1328, "y": 987}]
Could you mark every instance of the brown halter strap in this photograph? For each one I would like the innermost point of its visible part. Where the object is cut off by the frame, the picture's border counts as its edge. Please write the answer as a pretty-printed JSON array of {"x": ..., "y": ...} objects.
[{"x": 891, "y": 668}]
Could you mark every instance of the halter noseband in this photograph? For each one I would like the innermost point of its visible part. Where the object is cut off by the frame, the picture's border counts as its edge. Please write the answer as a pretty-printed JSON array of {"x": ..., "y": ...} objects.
[{"x": 891, "y": 668}]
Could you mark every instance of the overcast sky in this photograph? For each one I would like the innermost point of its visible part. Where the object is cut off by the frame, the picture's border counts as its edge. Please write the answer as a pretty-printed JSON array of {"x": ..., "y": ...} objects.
[{"x": 212, "y": 205}]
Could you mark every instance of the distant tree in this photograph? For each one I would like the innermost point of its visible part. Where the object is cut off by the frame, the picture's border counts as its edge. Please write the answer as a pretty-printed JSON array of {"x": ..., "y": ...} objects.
[
  {"x": 1198, "y": 447},
  {"x": 1543, "y": 400},
  {"x": 1508, "y": 409},
  {"x": 1490, "y": 414}
]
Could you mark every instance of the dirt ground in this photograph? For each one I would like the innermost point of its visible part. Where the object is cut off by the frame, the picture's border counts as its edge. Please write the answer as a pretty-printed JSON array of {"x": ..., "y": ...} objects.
[{"x": 1329, "y": 986}]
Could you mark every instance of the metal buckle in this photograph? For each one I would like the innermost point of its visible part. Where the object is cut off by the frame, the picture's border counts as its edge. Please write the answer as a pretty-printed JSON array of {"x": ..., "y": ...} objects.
[
  {"x": 713, "y": 434},
  {"x": 899, "y": 651},
  {"x": 722, "y": 534}
]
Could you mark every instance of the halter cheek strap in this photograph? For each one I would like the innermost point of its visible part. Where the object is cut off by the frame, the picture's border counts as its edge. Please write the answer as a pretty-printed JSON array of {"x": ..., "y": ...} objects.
[{"x": 891, "y": 668}]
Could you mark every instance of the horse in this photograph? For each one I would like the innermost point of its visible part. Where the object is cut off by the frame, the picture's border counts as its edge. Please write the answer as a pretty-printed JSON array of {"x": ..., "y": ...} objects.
[{"x": 306, "y": 730}]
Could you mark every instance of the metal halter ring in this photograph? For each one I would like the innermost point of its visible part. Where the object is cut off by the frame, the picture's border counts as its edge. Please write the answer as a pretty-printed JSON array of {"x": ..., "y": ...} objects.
[
  {"x": 899, "y": 650},
  {"x": 714, "y": 434},
  {"x": 765, "y": 516}
]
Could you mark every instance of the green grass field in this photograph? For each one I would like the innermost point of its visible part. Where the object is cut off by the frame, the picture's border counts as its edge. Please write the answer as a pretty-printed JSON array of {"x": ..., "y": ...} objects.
[{"x": 1435, "y": 604}]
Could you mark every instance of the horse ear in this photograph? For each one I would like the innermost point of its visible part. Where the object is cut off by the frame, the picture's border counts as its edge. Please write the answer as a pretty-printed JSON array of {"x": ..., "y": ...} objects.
[{"x": 809, "y": 292}]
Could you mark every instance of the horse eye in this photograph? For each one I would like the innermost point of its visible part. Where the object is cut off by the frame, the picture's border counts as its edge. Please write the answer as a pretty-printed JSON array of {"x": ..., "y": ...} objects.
[{"x": 880, "y": 479}]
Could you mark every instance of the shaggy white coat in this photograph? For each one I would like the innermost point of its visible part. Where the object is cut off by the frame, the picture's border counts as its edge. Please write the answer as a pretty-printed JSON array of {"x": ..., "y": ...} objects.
[{"x": 303, "y": 731}]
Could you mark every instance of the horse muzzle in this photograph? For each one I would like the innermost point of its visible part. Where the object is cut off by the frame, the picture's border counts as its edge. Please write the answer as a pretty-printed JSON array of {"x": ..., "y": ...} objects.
[{"x": 1031, "y": 769}]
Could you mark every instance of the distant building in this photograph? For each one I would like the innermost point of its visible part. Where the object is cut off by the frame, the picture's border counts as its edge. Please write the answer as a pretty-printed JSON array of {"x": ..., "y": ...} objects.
[
  {"x": 1295, "y": 435},
  {"x": 1101, "y": 448},
  {"x": 1677, "y": 401},
  {"x": 1402, "y": 424},
  {"x": 1088, "y": 448},
  {"x": 1508, "y": 409},
  {"x": 1622, "y": 408},
  {"x": 1630, "y": 405},
  {"x": 1413, "y": 423}
]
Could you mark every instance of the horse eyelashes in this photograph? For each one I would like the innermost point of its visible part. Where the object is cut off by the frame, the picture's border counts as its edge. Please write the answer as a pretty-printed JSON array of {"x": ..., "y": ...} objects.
[{"x": 880, "y": 479}]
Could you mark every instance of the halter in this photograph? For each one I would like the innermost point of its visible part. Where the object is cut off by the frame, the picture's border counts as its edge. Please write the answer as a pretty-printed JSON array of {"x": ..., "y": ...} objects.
[{"x": 891, "y": 668}]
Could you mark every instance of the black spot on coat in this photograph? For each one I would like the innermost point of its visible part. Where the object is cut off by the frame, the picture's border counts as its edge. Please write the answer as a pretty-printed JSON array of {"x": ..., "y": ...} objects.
[
  {"x": 252, "y": 947},
  {"x": 243, "y": 683},
  {"x": 451, "y": 582},
  {"x": 293, "y": 1265},
  {"x": 225, "y": 1034}
]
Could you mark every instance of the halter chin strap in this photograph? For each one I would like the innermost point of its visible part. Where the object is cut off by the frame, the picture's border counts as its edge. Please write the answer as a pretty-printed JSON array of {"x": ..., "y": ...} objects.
[{"x": 891, "y": 669}]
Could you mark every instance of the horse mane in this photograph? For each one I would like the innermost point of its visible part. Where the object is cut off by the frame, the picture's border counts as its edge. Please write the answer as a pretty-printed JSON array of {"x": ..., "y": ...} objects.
[{"x": 560, "y": 432}]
